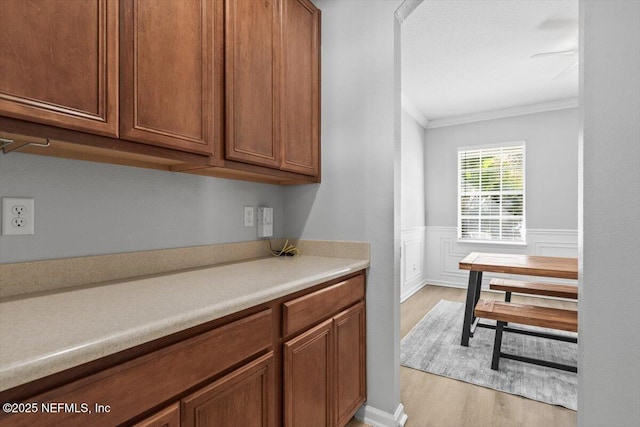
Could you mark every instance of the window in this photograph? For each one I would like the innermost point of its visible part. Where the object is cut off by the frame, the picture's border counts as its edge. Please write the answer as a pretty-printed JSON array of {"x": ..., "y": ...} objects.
[{"x": 491, "y": 204}]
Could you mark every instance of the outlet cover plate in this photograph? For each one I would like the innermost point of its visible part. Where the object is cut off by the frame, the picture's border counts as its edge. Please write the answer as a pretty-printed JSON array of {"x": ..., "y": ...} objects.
[{"x": 11, "y": 205}]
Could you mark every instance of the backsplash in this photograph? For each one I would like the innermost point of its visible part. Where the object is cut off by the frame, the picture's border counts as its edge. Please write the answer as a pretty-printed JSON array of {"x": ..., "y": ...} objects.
[{"x": 38, "y": 276}]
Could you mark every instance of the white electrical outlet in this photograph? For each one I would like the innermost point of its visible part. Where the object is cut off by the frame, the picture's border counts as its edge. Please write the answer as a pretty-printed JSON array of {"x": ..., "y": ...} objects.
[
  {"x": 17, "y": 216},
  {"x": 248, "y": 216}
]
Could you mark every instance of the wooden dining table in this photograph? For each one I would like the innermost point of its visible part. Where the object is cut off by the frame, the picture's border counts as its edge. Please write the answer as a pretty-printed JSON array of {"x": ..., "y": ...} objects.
[{"x": 529, "y": 265}]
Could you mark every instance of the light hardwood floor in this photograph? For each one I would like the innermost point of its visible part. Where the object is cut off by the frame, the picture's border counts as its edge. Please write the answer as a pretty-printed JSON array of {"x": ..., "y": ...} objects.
[{"x": 434, "y": 401}]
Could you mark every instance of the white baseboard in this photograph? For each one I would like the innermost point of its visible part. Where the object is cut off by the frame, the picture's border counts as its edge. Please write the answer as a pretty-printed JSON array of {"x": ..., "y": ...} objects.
[
  {"x": 445, "y": 283},
  {"x": 378, "y": 418},
  {"x": 412, "y": 290}
]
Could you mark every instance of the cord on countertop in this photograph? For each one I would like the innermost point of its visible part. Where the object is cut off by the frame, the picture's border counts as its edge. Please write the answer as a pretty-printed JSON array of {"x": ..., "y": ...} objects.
[{"x": 287, "y": 250}]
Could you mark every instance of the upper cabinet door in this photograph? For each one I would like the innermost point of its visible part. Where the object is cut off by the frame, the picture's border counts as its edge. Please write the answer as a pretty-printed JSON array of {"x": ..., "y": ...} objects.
[
  {"x": 300, "y": 99},
  {"x": 171, "y": 70},
  {"x": 60, "y": 63},
  {"x": 252, "y": 81}
]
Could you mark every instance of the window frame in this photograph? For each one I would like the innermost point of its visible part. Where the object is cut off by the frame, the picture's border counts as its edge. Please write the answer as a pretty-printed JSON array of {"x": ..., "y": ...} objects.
[{"x": 509, "y": 144}]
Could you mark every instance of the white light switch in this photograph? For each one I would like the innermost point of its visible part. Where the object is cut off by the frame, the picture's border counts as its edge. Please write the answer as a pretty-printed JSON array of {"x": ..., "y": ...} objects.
[
  {"x": 265, "y": 221},
  {"x": 248, "y": 216}
]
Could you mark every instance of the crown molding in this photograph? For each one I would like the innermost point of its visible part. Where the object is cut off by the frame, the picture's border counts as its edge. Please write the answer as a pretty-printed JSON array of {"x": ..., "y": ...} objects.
[
  {"x": 413, "y": 111},
  {"x": 558, "y": 104}
]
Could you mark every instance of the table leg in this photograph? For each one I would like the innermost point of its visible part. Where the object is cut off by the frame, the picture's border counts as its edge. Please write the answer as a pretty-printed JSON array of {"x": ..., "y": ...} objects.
[{"x": 473, "y": 294}]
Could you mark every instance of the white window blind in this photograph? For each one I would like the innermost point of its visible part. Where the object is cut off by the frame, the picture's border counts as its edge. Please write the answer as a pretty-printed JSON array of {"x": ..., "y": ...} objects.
[{"x": 491, "y": 203}]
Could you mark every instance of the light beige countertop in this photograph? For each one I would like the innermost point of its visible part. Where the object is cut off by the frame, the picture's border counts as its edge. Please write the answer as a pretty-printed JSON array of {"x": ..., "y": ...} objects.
[{"x": 41, "y": 334}]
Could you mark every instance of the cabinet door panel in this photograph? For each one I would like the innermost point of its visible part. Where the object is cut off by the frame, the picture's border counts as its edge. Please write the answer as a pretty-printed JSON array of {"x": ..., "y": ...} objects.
[
  {"x": 350, "y": 362},
  {"x": 60, "y": 63},
  {"x": 251, "y": 56},
  {"x": 300, "y": 103},
  {"x": 308, "y": 378},
  {"x": 170, "y": 73},
  {"x": 169, "y": 417},
  {"x": 242, "y": 398}
]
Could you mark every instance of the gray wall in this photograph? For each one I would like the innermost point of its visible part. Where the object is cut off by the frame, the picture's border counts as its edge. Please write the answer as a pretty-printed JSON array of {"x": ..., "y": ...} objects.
[
  {"x": 551, "y": 166},
  {"x": 412, "y": 173},
  {"x": 85, "y": 208},
  {"x": 609, "y": 308},
  {"x": 356, "y": 198}
]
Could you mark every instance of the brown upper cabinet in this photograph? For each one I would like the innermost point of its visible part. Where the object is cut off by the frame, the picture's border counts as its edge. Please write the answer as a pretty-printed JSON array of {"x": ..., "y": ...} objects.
[
  {"x": 251, "y": 59},
  {"x": 226, "y": 88},
  {"x": 60, "y": 63},
  {"x": 273, "y": 84},
  {"x": 300, "y": 94},
  {"x": 171, "y": 72}
]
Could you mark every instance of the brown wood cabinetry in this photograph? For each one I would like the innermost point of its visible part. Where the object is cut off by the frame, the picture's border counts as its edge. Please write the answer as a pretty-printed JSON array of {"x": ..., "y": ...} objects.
[
  {"x": 169, "y": 417},
  {"x": 308, "y": 377},
  {"x": 252, "y": 52},
  {"x": 234, "y": 84},
  {"x": 300, "y": 94},
  {"x": 325, "y": 367},
  {"x": 243, "y": 370},
  {"x": 170, "y": 93},
  {"x": 60, "y": 63},
  {"x": 350, "y": 353},
  {"x": 273, "y": 84},
  {"x": 243, "y": 398}
]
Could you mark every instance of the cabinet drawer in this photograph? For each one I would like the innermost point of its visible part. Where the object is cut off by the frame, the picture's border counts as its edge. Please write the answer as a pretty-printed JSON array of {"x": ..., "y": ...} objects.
[
  {"x": 303, "y": 312},
  {"x": 140, "y": 384}
]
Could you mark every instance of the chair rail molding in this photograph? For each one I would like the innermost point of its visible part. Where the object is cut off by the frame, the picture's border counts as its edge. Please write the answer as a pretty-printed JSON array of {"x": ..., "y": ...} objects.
[{"x": 444, "y": 252}]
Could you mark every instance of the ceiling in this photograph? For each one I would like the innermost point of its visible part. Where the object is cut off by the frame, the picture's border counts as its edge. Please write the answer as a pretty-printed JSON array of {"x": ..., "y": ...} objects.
[{"x": 464, "y": 57}]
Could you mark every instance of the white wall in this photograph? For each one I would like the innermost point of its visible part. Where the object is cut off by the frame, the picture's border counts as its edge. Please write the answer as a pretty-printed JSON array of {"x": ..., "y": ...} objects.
[
  {"x": 412, "y": 173},
  {"x": 356, "y": 197},
  {"x": 609, "y": 307},
  {"x": 412, "y": 197},
  {"x": 84, "y": 208},
  {"x": 551, "y": 166},
  {"x": 551, "y": 189}
]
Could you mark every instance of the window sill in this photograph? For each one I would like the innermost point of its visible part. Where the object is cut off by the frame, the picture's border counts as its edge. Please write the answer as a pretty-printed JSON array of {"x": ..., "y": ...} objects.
[{"x": 491, "y": 243}]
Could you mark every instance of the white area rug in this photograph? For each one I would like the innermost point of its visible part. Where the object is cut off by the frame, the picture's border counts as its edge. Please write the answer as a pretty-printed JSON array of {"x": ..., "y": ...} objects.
[{"x": 433, "y": 346}]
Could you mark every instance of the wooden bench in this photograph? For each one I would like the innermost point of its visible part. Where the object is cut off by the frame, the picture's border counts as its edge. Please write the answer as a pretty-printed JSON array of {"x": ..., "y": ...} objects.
[
  {"x": 534, "y": 288},
  {"x": 546, "y": 317}
]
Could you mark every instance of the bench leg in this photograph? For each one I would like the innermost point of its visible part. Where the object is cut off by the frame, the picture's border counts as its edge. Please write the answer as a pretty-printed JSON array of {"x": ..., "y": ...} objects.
[{"x": 497, "y": 345}]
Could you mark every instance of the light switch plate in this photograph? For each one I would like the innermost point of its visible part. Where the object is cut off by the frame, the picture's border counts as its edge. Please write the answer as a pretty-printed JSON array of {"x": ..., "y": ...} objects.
[
  {"x": 265, "y": 221},
  {"x": 17, "y": 216},
  {"x": 249, "y": 216}
]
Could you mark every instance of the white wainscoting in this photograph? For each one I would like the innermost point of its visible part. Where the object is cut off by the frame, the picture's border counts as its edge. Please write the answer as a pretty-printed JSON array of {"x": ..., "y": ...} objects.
[
  {"x": 413, "y": 261},
  {"x": 444, "y": 252}
]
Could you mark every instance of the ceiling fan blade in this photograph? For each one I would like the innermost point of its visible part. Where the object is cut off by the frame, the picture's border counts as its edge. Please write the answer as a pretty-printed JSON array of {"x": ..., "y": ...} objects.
[
  {"x": 566, "y": 70},
  {"x": 557, "y": 52}
]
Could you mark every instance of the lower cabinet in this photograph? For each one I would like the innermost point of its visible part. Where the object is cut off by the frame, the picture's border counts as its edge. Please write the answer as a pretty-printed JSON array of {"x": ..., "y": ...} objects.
[
  {"x": 350, "y": 353},
  {"x": 250, "y": 371},
  {"x": 243, "y": 398},
  {"x": 308, "y": 377},
  {"x": 169, "y": 417},
  {"x": 325, "y": 367}
]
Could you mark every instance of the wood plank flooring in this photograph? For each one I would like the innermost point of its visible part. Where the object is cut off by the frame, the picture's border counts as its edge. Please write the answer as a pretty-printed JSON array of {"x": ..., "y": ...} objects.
[{"x": 435, "y": 401}]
